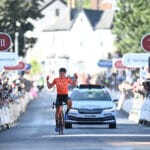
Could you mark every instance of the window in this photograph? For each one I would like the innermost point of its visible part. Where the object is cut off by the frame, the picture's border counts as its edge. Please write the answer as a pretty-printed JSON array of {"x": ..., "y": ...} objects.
[
  {"x": 91, "y": 95},
  {"x": 57, "y": 12}
]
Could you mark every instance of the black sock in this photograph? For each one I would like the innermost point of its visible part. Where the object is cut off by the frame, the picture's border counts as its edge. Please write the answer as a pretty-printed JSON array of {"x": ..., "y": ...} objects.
[
  {"x": 67, "y": 111},
  {"x": 56, "y": 122}
]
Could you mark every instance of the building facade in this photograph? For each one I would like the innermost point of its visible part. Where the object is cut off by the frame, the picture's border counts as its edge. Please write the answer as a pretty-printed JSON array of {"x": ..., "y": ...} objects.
[{"x": 73, "y": 38}]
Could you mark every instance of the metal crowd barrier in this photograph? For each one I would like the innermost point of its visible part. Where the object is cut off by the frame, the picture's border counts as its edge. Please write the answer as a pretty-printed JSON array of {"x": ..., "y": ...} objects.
[{"x": 10, "y": 112}]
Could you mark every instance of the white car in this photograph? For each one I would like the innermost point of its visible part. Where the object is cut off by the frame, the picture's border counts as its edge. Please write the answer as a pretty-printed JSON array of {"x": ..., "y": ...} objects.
[{"x": 91, "y": 104}]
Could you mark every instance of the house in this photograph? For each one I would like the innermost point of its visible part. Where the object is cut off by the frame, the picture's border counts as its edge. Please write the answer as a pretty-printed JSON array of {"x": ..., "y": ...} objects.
[{"x": 74, "y": 38}]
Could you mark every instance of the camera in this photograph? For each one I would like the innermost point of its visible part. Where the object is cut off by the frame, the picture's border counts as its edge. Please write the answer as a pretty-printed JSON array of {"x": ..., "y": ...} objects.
[{"x": 146, "y": 84}]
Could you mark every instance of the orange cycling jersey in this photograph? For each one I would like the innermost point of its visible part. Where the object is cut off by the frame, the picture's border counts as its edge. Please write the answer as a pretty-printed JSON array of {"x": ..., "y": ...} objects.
[{"x": 62, "y": 84}]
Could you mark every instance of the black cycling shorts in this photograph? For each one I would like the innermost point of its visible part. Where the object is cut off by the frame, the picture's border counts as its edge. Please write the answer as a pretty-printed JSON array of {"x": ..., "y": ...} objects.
[{"x": 61, "y": 99}]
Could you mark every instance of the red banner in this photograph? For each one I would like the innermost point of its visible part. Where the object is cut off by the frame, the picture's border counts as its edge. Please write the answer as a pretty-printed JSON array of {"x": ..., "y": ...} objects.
[{"x": 19, "y": 66}]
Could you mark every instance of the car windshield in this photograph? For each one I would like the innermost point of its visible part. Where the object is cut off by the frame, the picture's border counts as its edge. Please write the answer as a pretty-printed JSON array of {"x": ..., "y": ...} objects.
[{"x": 91, "y": 95}]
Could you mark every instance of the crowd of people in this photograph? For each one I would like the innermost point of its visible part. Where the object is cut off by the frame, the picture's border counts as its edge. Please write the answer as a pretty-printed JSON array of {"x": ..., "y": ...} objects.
[{"x": 12, "y": 87}]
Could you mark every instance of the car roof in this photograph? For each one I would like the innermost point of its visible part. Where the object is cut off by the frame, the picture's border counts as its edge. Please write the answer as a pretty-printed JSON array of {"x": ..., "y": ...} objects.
[
  {"x": 85, "y": 87},
  {"x": 90, "y": 86}
]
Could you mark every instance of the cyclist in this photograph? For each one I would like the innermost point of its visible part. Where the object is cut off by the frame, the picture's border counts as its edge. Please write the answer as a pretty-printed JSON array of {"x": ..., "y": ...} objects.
[{"x": 62, "y": 83}]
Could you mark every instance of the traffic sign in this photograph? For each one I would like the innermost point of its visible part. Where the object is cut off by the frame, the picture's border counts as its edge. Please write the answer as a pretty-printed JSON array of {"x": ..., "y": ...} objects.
[
  {"x": 136, "y": 60},
  {"x": 5, "y": 41},
  {"x": 105, "y": 63},
  {"x": 145, "y": 42},
  {"x": 8, "y": 59}
]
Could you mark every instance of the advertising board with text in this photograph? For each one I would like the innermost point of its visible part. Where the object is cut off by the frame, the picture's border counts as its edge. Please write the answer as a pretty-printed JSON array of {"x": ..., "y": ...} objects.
[
  {"x": 117, "y": 63},
  {"x": 136, "y": 60},
  {"x": 8, "y": 59},
  {"x": 105, "y": 63}
]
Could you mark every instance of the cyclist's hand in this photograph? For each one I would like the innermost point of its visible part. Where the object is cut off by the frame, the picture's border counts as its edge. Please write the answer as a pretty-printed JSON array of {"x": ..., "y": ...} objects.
[
  {"x": 47, "y": 78},
  {"x": 75, "y": 76}
]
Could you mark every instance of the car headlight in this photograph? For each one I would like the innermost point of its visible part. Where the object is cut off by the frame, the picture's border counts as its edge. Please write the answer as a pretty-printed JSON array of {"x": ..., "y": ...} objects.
[
  {"x": 73, "y": 111},
  {"x": 111, "y": 109}
]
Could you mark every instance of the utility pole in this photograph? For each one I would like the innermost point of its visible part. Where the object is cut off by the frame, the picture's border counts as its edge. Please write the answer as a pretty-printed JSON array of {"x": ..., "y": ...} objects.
[{"x": 148, "y": 64}]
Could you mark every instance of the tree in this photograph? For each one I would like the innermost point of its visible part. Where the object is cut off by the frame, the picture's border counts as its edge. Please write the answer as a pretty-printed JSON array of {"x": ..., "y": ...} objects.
[
  {"x": 15, "y": 17},
  {"x": 82, "y": 3},
  {"x": 131, "y": 22},
  {"x": 87, "y": 4}
]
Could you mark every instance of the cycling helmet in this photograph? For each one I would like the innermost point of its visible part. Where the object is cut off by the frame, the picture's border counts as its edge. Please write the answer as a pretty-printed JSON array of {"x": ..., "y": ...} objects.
[{"x": 62, "y": 70}]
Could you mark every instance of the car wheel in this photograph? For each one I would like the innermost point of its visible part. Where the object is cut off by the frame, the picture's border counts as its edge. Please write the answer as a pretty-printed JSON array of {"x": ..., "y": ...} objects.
[
  {"x": 68, "y": 125},
  {"x": 112, "y": 126}
]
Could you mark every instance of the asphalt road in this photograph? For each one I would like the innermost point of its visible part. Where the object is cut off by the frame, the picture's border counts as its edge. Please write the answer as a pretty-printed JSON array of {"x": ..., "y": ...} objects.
[{"x": 35, "y": 131}]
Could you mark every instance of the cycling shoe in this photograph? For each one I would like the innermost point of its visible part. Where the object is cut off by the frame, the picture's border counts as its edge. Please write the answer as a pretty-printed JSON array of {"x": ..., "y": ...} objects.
[{"x": 56, "y": 129}]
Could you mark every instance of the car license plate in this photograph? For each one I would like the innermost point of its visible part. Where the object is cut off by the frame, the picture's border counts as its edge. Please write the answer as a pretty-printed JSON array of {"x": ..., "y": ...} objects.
[{"x": 90, "y": 116}]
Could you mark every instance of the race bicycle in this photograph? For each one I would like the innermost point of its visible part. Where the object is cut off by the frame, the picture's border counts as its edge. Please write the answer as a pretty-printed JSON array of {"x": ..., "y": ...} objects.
[{"x": 60, "y": 120}]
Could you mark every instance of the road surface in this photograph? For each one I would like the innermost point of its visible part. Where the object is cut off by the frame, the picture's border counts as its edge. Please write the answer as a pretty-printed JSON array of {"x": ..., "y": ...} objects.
[{"x": 35, "y": 131}]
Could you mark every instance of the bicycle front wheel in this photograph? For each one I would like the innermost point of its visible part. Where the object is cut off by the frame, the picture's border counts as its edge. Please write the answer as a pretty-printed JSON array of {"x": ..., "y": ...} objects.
[{"x": 61, "y": 125}]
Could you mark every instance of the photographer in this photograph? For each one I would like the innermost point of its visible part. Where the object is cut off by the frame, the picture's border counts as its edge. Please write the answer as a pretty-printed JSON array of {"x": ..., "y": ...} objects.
[
  {"x": 146, "y": 85},
  {"x": 138, "y": 87}
]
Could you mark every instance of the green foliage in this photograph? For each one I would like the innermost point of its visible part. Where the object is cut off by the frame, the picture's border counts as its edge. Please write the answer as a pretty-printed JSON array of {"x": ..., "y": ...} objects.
[
  {"x": 131, "y": 22},
  {"x": 16, "y": 15},
  {"x": 82, "y": 3},
  {"x": 2, "y": 2},
  {"x": 87, "y": 4}
]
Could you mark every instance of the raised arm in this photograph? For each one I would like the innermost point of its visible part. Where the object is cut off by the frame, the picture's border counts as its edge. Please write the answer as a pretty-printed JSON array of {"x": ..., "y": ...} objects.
[
  {"x": 49, "y": 85},
  {"x": 74, "y": 81}
]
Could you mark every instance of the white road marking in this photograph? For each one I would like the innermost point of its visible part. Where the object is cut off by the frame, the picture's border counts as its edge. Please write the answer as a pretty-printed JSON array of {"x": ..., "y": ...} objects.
[{"x": 97, "y": 135}]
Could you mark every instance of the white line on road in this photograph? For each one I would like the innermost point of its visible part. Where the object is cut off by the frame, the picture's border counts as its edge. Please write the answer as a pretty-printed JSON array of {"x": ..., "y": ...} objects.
[{"x": 98, "y": 135}]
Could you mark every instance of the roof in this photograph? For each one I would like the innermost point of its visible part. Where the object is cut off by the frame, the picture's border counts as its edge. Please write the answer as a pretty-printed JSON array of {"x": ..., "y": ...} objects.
[
  {"x": 94, "y": 16},
  {"x": 51, "y": 2},
  {"x": 106, "y": 20},
  {"x": 97, "y": 18}
]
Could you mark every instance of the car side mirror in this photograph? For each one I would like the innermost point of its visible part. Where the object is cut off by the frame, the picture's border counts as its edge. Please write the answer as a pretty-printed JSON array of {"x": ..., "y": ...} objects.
[{"x": 115, "y": 101}]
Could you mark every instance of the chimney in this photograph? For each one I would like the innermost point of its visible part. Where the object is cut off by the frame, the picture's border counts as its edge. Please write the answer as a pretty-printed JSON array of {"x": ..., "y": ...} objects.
[
  {"x": 70, "y": 4},
  {"x": 73, "y": 3},
  {"x": 105, "y": 5},
  {"x": 95, "y": 4},
  {"x": 68, "y": 10}
]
